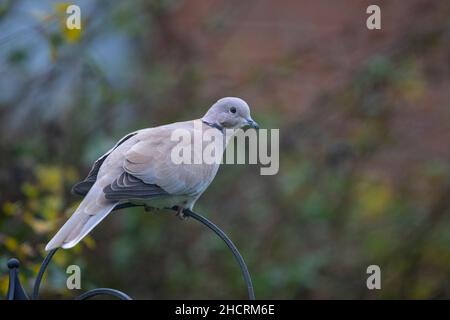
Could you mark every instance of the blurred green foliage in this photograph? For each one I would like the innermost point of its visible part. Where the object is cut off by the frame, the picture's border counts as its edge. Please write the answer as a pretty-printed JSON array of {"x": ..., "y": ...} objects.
[{"x": 365, "y": 163}]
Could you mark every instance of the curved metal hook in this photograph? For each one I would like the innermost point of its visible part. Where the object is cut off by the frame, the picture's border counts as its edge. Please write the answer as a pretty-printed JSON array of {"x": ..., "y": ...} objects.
[
  {"x": 44, "y": 265},
  {"x": 103, "y": 291}
]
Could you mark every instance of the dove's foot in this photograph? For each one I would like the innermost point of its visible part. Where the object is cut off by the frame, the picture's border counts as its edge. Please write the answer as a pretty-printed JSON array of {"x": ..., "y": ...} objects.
[{"x": 180, "y": 213}]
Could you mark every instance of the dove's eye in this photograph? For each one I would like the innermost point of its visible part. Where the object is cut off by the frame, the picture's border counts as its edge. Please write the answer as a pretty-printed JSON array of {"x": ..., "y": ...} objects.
[{"x": 233, "y": 110}]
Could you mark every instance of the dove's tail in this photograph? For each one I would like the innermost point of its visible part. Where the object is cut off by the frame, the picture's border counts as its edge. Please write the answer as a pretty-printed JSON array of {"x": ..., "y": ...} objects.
[{"x": 91, "y": 211}]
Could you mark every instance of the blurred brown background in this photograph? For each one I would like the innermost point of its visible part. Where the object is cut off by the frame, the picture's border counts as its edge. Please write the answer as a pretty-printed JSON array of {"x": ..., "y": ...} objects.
[{"x": 364, "y": 119}]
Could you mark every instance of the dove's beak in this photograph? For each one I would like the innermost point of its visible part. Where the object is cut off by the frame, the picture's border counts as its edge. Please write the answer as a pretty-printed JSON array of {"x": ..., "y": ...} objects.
[{"x": 252, "y": 124}]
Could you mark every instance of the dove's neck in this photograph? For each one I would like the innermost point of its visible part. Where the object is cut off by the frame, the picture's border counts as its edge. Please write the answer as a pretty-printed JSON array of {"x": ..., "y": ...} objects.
[
  {"x": 213, "y": 125},
  {"x": 214, "y": 134},
  {"x": 227, "y": 133}
]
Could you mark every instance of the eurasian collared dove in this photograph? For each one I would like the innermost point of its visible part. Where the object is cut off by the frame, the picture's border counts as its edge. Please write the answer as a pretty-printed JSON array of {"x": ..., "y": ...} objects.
[{"x": 139, "y": 169}]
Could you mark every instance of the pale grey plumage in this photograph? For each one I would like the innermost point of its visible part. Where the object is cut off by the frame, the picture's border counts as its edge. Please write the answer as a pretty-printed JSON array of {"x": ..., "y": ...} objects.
[{"x": 139, "y": 169}]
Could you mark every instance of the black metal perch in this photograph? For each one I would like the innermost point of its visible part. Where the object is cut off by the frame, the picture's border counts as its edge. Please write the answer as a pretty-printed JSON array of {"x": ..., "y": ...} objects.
[{"x": 16, "y": 291}]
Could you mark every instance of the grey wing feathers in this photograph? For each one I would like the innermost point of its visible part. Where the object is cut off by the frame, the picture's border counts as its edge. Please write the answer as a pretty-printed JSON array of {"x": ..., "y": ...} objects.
[
  {"x": 83, "y": 187},
  {"x": 129, "y": 187}
]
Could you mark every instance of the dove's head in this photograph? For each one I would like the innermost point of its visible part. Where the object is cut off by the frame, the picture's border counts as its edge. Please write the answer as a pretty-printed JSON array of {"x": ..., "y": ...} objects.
[{"x": 230, "y": 113}]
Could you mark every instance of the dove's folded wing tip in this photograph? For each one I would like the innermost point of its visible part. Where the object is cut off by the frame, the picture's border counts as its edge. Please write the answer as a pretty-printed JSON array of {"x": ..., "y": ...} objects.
[
  {"x": 68, "y": 245},
  {"x": 50, "y": 246}
]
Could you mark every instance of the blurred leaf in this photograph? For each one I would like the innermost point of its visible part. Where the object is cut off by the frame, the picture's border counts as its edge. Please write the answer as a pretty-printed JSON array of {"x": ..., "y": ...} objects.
[
  {"x": 372, "y": 198},
  {"x": 50, "y": 178},
  {"x": 10, "y": 208},
  {"x": 11, "y": 243}
]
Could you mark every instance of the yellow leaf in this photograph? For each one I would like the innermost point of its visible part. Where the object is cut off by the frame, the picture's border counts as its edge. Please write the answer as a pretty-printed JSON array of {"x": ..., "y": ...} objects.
[
  {"x": 10, "y": 208},
  {"x": 30, "y": 191},
  {"x": 50, "y": 178},
  {"x": 11, "y": 244},
  {"x": 71, "y": 35},
  {"x": 50, "y": 207}
]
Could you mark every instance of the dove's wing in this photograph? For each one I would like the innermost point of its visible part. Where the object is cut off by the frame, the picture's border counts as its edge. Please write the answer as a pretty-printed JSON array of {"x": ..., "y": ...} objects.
[
  {"x": 83, "y": 187},
  {"x": 127, "y": 187},
  {"x": 151, "y": 160},
  {"x": 150, "y": 171}
]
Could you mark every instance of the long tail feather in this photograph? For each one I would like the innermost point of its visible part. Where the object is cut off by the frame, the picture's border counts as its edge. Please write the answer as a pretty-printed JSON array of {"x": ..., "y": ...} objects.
[{"x": 91, "y": 211}]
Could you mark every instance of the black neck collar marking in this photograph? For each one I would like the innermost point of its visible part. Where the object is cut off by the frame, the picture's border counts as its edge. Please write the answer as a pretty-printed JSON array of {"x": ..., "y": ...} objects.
[{"x": 214, "y": 125}]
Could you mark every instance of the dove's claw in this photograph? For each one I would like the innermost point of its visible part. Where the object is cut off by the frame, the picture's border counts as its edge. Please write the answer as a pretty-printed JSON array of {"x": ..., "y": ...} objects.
[{"x": 180, "y": 213}]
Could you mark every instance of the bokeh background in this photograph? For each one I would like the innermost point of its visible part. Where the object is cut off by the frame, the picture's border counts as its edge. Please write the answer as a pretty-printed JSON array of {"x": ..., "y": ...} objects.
[{"x": 364, "y": 119}]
